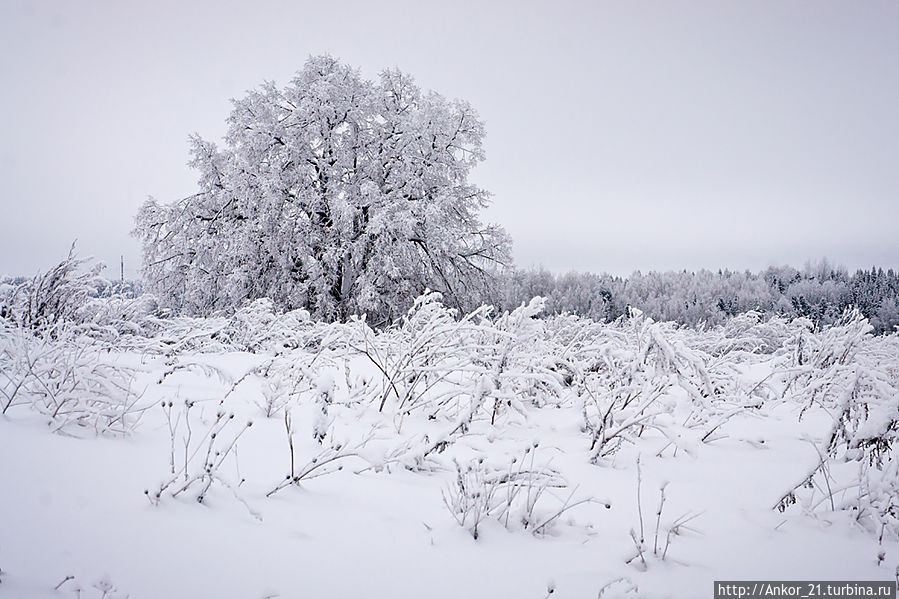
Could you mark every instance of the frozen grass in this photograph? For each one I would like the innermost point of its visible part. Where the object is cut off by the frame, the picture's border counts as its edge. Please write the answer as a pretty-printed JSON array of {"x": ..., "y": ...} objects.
[{"x": 447, "y": 457}]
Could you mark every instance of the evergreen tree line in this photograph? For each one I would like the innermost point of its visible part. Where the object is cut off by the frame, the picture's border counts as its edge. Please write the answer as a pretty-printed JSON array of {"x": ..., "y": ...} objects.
[{"x": 819, "y": 292}]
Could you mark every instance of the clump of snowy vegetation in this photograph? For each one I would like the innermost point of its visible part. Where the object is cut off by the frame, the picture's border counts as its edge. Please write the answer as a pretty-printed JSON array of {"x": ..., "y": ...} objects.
[
  {"x": 854, "y": 378},
  {"x": 55, "y": 356},
  {"x": 69, "y": 378}
]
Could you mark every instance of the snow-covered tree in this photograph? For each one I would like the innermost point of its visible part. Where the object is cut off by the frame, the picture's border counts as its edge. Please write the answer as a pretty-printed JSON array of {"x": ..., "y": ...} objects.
[{"x": 334, "y": 194}]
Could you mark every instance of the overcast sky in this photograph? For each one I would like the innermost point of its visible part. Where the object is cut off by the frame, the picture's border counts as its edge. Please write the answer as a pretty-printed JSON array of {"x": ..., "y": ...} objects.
[{"x": 620, "y": 135}]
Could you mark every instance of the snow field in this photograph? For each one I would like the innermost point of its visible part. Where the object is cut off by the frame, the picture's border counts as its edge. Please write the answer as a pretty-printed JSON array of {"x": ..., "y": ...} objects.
[{"x": 384, "y": 426}]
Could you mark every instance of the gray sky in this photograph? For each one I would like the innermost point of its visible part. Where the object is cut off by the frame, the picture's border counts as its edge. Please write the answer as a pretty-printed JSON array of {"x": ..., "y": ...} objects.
[{"x": 620, "y": 136}]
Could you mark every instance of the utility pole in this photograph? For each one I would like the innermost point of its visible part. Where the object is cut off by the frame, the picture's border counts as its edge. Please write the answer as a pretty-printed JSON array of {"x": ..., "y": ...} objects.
[{"x": 123, "y": 269}]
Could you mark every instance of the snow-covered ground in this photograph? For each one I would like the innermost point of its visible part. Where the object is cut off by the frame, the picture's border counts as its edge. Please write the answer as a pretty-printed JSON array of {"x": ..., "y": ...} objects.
[{"x": 399, "y": 437}]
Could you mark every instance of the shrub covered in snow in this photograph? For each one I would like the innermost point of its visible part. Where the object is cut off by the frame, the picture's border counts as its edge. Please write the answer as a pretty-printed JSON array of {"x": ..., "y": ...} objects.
[
  {"x": 67, "y": 377},
  {"x": 854, "y": 377}
]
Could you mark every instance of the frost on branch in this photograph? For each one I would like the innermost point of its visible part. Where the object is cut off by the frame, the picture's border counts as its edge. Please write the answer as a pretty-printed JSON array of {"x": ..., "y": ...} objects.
[{"x": 333, "y": 194}]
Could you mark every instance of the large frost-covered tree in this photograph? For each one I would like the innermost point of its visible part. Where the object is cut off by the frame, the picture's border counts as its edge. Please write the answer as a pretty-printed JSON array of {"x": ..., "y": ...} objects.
[{"x": 335, "y": 194}]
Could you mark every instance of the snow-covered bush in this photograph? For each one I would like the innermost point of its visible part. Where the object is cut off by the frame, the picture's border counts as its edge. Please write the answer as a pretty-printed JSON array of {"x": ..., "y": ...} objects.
[
  {"x": 435, "y": 363},
  {"x": 520, "y": 494},
  {"x": 637, "y": 374},
  {"x": 285, "y": 379},
  {"x": 258, "y": 326},
  {"x": 419, "y": 357},
  {"x": 854, "y": 377},
  {"x": 74, "y": 296},
  {"x": 59, "y": 295},
  {"x": 255, "y": 327},
  {"x": 749, "y": 333},
  {"x": 67, "y": 377},
  {"x": 56, "y": 334},
  {"x": 525, "y": 360}
]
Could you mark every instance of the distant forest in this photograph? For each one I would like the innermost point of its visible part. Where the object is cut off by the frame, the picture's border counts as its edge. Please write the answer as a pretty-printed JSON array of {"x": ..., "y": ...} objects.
[{"x": 819, "y": 292}]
